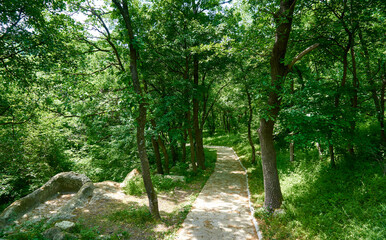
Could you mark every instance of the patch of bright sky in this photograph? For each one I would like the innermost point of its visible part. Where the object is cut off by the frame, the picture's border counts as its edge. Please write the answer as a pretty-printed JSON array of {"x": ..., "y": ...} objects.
[{"x": 81, "y": 17}]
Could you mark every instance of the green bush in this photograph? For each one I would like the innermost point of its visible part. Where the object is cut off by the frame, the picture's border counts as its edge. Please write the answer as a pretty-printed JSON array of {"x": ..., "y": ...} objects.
[{"x": 135, "y": 187}]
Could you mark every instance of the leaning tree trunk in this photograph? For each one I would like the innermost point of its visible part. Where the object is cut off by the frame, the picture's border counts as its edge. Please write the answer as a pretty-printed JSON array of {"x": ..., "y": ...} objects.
[
  {"x": 141, "y": 119},
  {"x": 196, "y": 125}
]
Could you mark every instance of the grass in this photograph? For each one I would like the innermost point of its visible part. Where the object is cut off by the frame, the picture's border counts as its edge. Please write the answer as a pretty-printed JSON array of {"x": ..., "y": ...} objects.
[{"x": 348, "y": 202}]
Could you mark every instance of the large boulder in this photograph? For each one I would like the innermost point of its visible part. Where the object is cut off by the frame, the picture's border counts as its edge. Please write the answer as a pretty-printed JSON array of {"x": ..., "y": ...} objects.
[
  {"x": 60, "y": 183},
  {"x": 130, "y": 176}
]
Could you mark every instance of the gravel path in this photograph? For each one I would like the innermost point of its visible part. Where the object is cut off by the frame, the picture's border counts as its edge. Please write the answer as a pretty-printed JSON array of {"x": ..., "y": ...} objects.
[{"x": 221, "y": 211}]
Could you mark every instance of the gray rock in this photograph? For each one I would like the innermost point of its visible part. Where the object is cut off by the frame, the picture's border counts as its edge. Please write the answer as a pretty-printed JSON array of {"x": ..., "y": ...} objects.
[
  {"x": 175, "y": 178},
  {"x": 130, "y": 176},
  {"x": 62, "y": 182},
  {"x": 65, "y": 225}
]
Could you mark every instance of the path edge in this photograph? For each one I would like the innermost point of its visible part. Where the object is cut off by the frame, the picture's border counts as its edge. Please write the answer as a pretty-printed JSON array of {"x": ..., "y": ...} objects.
[{"x": 251, "y": 208}]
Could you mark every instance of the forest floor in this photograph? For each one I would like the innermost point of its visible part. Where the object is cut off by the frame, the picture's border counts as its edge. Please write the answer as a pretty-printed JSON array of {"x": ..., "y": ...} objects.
[{"x": 221, "y": 210}]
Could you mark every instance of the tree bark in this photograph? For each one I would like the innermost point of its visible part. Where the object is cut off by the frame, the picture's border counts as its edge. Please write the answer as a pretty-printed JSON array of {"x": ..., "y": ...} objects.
[
  {"x": 354, "y": 99},
  {"x": 196, "y": 125},
  {"x": 183, "y": 146},
  {"x": 283, "y": 19},
  {"x": 191, "y": 142},
  {"x": 253, "y": 160},
  {"x": 141, "y": 119},
  {"x": 158, "y": 161},
  {"x": 174, "y": 153},
  {"x": 165, "y": 153},
  {"x": 332, "y": 157}
]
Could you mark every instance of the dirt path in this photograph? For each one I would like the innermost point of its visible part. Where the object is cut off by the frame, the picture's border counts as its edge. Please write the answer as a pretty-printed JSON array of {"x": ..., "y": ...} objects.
[{"x": 221, "y": 211}]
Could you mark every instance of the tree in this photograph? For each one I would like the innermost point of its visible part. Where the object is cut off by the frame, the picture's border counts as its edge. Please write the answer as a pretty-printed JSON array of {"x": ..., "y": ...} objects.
[
  {"x": 279, "y": 70},
  {"x": 123, "y": 9}
]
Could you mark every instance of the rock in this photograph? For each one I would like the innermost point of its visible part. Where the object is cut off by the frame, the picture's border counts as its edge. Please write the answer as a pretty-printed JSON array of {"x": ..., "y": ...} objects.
[
  {"x": 278, "y": 212},
  {"x": 175, "y": 178},
  {"x": 54, "y": 233},
  {"x": 62, "y": 182},
  {"x": 65, "y": 225},
  {"x": 130, "y": 176}
]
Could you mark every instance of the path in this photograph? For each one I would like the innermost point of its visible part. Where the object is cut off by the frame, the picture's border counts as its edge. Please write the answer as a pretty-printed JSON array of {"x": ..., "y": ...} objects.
[{"x": 221, "y": 211}]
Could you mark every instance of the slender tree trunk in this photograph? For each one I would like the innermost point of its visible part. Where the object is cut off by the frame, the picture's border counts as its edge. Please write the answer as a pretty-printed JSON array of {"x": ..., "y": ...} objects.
[
  {"x": 354, "y": 100},
  {"x": 183, "y": 146},
  {"x": 379, "y": 106},
  {"x": 337, "y": 97},
  {"x": 253, "y": 160},
  {"x": 320, "y": 151},
  {"x": 191, "y": 141},
  {"x": 292, "y": 151},
  {"x": 382, "y": 112},
  {"x": 332, "y": 157},
  {"x": 141, "y": 119},
  {"x": 157, "y": 155},
  {"x": 196, "y": 125},
  {"x": 174, "y": 153},
  {"x": 165, "y": 153}
]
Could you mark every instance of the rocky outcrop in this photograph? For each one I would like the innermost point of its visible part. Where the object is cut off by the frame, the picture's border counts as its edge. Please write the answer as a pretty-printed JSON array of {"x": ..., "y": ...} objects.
[
  {"x": 130, "y": 176},
  {"x": 60, "y": 183}
]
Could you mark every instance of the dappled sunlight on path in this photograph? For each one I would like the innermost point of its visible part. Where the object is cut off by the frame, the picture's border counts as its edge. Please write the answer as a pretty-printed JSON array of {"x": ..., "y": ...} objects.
[{"x": 221, "y": 211}]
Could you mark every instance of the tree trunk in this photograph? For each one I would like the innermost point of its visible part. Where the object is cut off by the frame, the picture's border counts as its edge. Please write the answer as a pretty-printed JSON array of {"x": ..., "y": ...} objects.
[
  {"x": 320, "y": 151},
  {"x": 332, "y": 157},
  {"x": 292, "y": 151},
  {"x": 183, "y": 146},
  {"x": 192, "y": 149},
  {"x": 354, "y": 99},
  {"x": 165, "y": 153},
  {"x": 196, "y": 125},
  {"x": 273, "y": 195},
  {"x": 157, "y": 155},
  {"x": 141, "y": 119},
  {"x": 253, "y": 160},
  {"x": 378, "y": 103},
  {"x": 174, "y": 153}
]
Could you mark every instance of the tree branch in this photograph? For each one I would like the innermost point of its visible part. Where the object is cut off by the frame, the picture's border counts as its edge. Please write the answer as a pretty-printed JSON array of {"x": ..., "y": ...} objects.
[{"x": 302, "y": 54}]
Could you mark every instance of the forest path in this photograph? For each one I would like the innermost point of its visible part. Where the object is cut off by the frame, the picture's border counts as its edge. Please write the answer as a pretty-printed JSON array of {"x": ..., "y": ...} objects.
[{"x": 221, "y": 211}]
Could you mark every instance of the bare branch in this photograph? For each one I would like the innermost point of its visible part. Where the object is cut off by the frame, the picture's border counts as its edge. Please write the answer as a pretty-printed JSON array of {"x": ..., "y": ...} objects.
[{"x": 302, "y": 54}]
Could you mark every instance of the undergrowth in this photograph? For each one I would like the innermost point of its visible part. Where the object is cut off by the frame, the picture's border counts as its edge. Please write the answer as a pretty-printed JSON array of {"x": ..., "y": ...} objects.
[{"x": 319, "y": 202}]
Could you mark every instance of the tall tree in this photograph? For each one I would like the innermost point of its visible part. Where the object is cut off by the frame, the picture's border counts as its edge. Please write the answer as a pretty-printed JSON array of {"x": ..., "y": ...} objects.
[
  {"x": 122, "y": 6},
  {"x": 279, "y": 70}
]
